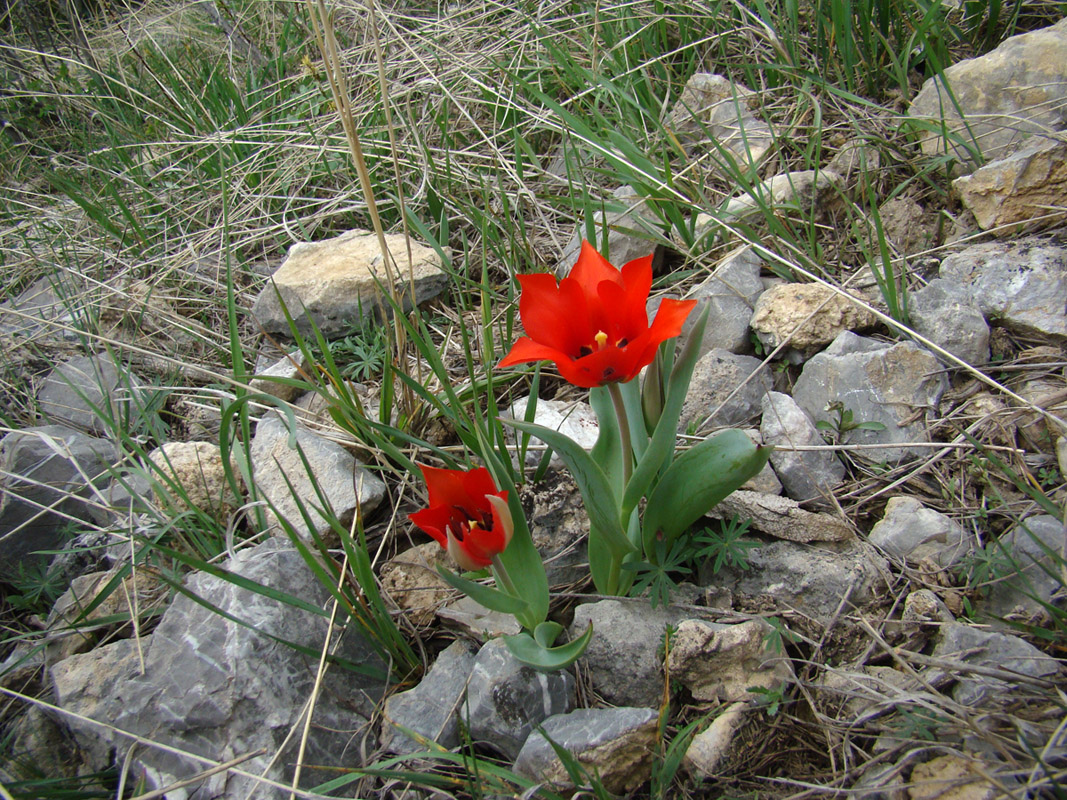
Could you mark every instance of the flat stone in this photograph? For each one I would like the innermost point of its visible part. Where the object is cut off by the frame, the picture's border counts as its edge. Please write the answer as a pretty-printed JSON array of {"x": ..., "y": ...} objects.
[
  {"x": 909, "y": 530},
  {"x": 92, "y": 394},
  {"x": 1020, "y": 284},
  {"x": 897, "y": 385},
  {"x": 334, "y": 284},
  {"x": 725, "y": 390},
  {"x": 615, "y": 744},
  {"x": 506, "y": 699},
  {"x": 574, "y": 419},
  {"x": 949, "y": 315},
  {"x": 805, "y": 474},
  {"x": 730, "y": 294},
  {"x": 782, "y": 518},
  {"x": 1005, "y": 96},
  {"x": 331, "y": 476},
  {"x": 432, "y": 708}
]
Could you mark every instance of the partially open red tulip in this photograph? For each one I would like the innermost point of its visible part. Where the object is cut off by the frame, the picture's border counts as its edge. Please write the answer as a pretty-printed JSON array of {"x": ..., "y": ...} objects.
[
  {"x": 467, "y": 515},
  {"x": 594, "y": 324}
]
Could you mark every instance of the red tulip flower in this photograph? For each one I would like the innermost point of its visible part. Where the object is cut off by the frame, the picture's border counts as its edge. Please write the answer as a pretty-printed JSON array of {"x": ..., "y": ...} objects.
[
  {"x": 467, "y": 515},
  {"x": 594, "y": 323}
]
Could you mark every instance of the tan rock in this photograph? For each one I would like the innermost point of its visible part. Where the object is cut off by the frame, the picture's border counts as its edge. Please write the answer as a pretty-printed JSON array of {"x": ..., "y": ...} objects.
[
  {"x": 724, "y": 662},
  {"x": 782, "y": 518},
  {"x": 412, "y": 581},
  {"x": 709, "y": 749},
  {"x": 950, "y": 777},
  {"x": 335, "y": 283},
  {"x": 191, "y": 474},
  {"x": 1028, "y": 184},
  {"x": 807, "y": 315}
]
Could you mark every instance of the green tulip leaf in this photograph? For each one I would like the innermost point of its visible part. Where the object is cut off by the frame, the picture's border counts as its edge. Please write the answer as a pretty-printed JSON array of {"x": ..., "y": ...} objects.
[
  {"x": 601, "y": 500},
  {"x": 547, "y": 632},
  {"x": 493, "y": 599},
  {"x": 663, "y": 438},
  {"x": 533, "y": 653},
  {"x": 696, "y": 481}
]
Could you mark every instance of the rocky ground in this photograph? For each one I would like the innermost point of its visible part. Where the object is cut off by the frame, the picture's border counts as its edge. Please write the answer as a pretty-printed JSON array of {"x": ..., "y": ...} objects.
[{"x": 889, "y": 624}]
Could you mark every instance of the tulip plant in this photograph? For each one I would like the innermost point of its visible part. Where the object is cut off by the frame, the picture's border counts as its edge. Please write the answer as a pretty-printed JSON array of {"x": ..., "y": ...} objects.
[{"x": 593, "y": 325}]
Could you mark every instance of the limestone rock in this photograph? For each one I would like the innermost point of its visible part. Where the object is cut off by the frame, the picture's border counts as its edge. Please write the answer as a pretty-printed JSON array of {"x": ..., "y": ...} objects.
[
  {"x": 506, "y": 699},
  {"x": 1021, "y": 594},
  {"x": 911, "y": 531},
  {"x": 45, "y": 468},
  {"x": 615, "y": 744},
  {"x": 432, "y": 708},
  {"x": 621, "y": 660},
  {"x": 411, "y": 580},
  {"x": 92, "y": 394},
  {"x": 951, "y": 777},
  {"x": 331, "y": 472},
  {"x": 219, "y": 689},
  {"x": 897, "y": 385},
  {"x": 1007, "y": 95},
  {"x": 949, "y": 315},
  {"x": 713, "y": 113},
  {"x": 1025, "y": 185},
  {"x": 782, "y": 518},
  {"x": 808, "y": 316},
  {"x": 1000, "y": 651},
  {"x": 192, "y": 474},
  {"x": 1021, "y": 284},
  {"x": 725, "y": 390},
  {"x": 806, "y": 475},
  {"x": 632, "y": 233},
  {"x": 907, "y": 225},
  {"x": 814, "y": 192},
  {"x": 332, "y": 283},
  {"x": 709, "y": 749},
  {"x": 730, "y": 295},
  {"x": 468, "y": 616},
  {"x": 559, "y": 526},
  {"x": 574, "y": 419},
  {"x": 812, "y": 579},
  {"x": 849, "y": 693},
  {"x": 270, "y": 378},
  {"x": 723, "y": 662}
]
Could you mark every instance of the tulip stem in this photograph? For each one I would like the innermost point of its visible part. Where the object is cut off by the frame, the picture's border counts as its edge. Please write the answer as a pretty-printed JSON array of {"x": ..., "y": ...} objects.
[
  {"x": 624, "y": 432},
  {"x": 502, "y": 577}
]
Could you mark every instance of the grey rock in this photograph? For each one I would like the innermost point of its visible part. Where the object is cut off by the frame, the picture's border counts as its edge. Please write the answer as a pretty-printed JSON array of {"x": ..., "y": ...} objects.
[
  {"x": 220, "y": 689},
  {"x": 622, "y": 661},
  {"x": 575, "y": 419},
  {"x": 730, "y": 295},
  {"x": 432, "y": 708},
  {"x": 805, "y": 475},
  {"x": 633, "y": 232},
  {"x": 897, "y": 385},
  {"x": 271, "y": 377},
  {"x": 475, "y": 620},
  {"x": 909, "y": 530},
  {"x": 993, "y": 650},
  {"x": 44, "y": 305},
  {"x": 907, "y": 225},
  {"x": 332, "y": 476},
  {"x": 1015, "y": 91},
  {"x": 44, "y": 487},
  {"x": 616, "y": 744},
  {"x": 1020, "y": 188},
  {"x": 332, "y": 283},
  {"x": 815, "y": 192},
  {"x": 559, "y": 526},
  {"x": 848, "y": 693},
  {"x": 713, "y": 117},
  {"x": 92, "y": 394},
  {"x": 1020, "y": 284},
  {"x": 506, "y": 699},
  {"x": 947, "y": 314},
  {"x": 1030, "y": 545},
  {"x": 814, "y": 579},
  {"x": 806, "y": 316},
  {"x": 725, "y": 662},
  {"x": 725, "y": 390}
]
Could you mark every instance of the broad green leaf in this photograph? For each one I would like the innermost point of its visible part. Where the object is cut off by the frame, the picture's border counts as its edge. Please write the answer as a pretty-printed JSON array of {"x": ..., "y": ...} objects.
[
  {"x": 698, "y": 480},
  {"x": 531, "y": 652},
  {"x": 662, "y": 444},
  {"x": 493, "y": 599},
  {"x": 601, "y": 501}
]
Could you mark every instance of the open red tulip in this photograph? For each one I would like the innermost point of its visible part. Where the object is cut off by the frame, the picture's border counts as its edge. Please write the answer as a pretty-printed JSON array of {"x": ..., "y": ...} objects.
[
  {"x": 467, "y": 515},
  {"x": 594, "y": 324}
]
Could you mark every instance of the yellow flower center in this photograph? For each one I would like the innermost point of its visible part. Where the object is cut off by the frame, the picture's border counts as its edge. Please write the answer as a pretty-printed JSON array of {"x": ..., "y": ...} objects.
[{"x": 601, "y": 340}]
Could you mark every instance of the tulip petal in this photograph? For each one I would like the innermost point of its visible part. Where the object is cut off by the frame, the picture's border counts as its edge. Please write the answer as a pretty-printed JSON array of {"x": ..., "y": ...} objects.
[
  {"x": 526, "y": 350},
  {"x": 591, "y": 270},
  {"x": 555, "y": 315}
]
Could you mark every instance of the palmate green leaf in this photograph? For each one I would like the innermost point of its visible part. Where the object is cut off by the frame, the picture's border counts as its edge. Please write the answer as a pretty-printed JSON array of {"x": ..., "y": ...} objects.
[
  {"x": 493, "y": 599},
  {"x": 601, "y": 500},
  {"x": 698, "y": 480},
  {"x": 534, "y": 652}
]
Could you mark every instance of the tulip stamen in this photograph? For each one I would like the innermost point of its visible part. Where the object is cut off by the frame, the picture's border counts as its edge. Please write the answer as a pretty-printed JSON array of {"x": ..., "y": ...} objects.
[{"x": 601, "y": 340}]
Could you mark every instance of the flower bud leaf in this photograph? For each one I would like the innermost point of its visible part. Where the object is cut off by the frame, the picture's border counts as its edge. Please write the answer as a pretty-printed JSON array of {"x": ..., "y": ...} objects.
[
  {"x": 493, "y": 599},
  {"x": 533, "y": 653}
]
